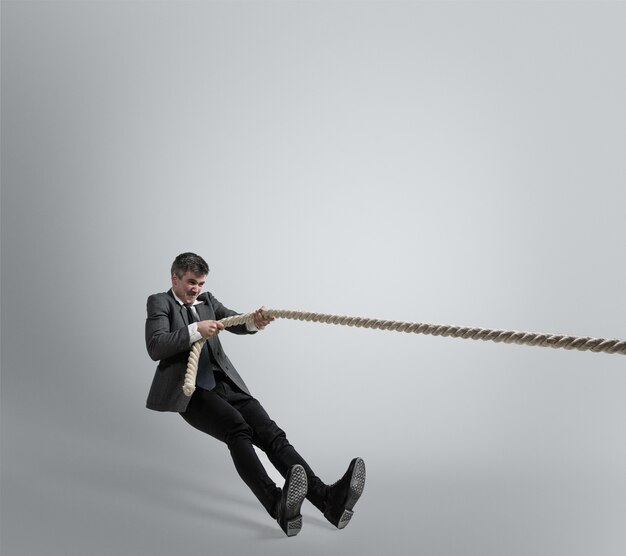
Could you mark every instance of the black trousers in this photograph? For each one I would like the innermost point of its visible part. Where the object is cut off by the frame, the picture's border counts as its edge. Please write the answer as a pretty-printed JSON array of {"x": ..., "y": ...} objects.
[{"x": 232, "y": 416}]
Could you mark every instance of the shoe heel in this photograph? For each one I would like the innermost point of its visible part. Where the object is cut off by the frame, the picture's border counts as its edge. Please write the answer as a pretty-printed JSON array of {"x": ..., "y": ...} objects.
[
  {"x": 345, "y": 518},
  {"x": 293, "y": 526}
]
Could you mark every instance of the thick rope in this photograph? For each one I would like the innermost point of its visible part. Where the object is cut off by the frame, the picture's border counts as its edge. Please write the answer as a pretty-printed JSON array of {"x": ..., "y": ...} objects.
[{"x": 556, "y": 341}]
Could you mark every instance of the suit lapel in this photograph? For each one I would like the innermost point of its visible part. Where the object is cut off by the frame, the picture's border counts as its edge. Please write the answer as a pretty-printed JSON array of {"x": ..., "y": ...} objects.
[
  {"x": 204, "y": 311},
  {"x": 183, "y": 314},
  {"x": 182, "y": 310}
]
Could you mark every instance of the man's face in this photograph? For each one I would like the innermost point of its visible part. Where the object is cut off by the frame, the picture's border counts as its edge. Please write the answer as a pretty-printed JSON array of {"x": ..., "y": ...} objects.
[{"x": 188, "y": 287}]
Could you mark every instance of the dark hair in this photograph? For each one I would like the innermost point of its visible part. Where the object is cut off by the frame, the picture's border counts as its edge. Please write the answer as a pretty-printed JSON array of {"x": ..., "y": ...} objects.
[{"x": 189, "y": 262}]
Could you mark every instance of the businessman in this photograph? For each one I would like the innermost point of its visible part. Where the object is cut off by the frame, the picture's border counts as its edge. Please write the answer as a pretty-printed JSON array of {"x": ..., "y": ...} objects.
[{"x": 223, "y": 407}]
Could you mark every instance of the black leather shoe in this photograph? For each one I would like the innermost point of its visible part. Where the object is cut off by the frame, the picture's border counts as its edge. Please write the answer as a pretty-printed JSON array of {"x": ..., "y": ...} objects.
[
  {"x": 288, "y": 506},
  {"x": 343, "y": 495}
]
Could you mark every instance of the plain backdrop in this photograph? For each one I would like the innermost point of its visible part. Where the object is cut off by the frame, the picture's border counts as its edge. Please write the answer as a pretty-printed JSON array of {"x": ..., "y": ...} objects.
[{"x": 442, "y": 162}]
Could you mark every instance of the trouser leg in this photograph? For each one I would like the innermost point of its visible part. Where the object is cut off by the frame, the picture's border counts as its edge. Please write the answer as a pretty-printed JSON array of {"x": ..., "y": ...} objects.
[
  {"x": 270, "y": 438},
  {"x": 213, "y": 415}
]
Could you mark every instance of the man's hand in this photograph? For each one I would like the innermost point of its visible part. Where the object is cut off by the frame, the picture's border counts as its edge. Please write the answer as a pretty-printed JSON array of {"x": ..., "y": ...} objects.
[
  {"x": 209, "y": 328},
  {"x": 259, "y": 320}
]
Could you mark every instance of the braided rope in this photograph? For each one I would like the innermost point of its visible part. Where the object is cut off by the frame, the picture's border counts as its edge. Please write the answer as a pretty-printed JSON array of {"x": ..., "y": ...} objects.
[
  {"x": 556, "y": 341},
  {"x": 189, "y": 384}
]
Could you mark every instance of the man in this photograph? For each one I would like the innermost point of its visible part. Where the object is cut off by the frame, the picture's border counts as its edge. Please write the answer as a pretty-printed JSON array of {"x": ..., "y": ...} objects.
[{"x": 222, "y": 405}]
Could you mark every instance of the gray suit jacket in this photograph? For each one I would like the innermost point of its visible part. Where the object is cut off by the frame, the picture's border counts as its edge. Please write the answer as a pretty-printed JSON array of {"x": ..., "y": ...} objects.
[{"x": 168, "y": 342}]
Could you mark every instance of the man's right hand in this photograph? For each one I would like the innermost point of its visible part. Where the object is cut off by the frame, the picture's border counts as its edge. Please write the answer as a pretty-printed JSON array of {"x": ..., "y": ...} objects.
[{"x": 210, "y": 328}]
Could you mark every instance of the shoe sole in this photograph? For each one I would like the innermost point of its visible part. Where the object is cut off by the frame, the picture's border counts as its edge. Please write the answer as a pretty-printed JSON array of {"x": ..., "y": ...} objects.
[
  {"x": 357, "y": 485},
  {"x": 296, "y": 493}
]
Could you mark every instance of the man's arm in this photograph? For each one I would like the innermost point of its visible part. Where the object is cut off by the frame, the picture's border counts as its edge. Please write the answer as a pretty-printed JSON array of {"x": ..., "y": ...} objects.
[
  {"x": 222, "y": 312},
  {"x": 162, "y": 343},
  {"x": 259, "y": 321}
]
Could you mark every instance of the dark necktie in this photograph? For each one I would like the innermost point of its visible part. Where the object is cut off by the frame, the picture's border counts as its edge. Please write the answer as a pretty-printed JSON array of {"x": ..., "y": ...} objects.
[{"x": 205, "y": 378}]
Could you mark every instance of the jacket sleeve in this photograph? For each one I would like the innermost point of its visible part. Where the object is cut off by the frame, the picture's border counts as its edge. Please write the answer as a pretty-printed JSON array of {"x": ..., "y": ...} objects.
[
  {"x": 222, "y": 312},
  {"x": 161, "y": 342}
]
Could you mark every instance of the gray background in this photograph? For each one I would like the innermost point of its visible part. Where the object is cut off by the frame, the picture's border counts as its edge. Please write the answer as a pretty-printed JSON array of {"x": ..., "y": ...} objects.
[{"x": 458, "y": 163}]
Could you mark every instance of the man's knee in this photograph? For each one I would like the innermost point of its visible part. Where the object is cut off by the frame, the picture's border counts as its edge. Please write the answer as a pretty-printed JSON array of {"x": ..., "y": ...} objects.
[
  {"x": 274, "y": 440},
  {"x": 238, "y": 430}
]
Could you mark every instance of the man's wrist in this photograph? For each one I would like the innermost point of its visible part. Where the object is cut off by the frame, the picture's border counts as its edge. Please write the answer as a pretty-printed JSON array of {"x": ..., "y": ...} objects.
[{"x": 194, "y": 334}]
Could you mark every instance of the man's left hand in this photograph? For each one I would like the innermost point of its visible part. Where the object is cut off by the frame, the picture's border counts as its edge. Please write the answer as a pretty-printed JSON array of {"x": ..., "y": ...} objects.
[{"x": 260, "y": 321}]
